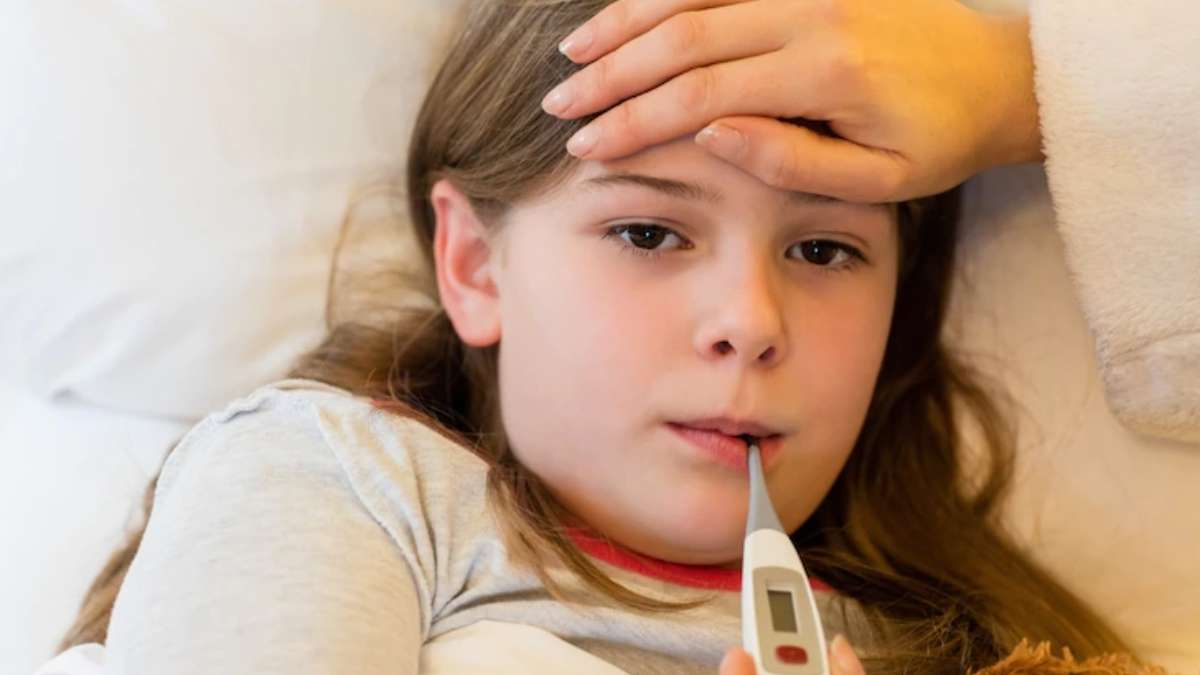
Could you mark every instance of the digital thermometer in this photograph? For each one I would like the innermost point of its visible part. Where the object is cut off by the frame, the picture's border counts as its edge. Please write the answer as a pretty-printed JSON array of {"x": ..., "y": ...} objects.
[{"x": 781, "y": 627}]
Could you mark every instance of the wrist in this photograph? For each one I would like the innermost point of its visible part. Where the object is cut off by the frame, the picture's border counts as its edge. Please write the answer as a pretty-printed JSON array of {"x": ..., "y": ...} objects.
[{"x": 1016, "y": 135}]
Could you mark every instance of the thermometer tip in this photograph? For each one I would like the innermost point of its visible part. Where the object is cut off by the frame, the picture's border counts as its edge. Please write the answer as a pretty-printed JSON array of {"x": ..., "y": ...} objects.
[{"x": 761, "y": 514}]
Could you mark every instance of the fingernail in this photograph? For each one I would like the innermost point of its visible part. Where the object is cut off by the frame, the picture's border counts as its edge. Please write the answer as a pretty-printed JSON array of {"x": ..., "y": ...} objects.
[
  {"x": 559, "y": 100},
  {"x": 576, "y": 43},
  {"x": 583, "y": 141},
  {"x": 725, "y": 142}
]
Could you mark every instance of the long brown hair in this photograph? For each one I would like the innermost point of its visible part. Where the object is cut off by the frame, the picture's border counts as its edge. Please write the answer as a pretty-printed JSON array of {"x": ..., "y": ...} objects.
[{"x": 911, "y": 528}]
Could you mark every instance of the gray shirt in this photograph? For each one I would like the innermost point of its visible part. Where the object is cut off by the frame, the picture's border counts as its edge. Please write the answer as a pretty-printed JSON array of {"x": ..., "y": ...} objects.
[{"x": 303, "y": 530}]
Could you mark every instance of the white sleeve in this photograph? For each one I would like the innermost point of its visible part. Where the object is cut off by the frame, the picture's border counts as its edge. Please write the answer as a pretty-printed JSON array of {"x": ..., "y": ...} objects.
[
  {"x": 260, "y": 558},
  {"x": 1118, "y": 86}
]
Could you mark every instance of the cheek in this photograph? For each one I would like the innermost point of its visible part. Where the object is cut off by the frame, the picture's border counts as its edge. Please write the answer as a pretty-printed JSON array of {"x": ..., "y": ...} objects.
[
  {"x": 851, "y": 353},
  {"x": 576, "y": 338},
  {"x": 621, "y": 326}
]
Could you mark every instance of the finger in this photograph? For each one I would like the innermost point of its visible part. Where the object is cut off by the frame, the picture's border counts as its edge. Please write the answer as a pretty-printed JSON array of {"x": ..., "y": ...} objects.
[
  {"x": 842, "y": 657},
  {"x": 737, "y": 661},
  {"x": 678, "y": 44},
  {"x": 688, "y": 102},
  {"x": 622, "y": 20},
  {"x": 792, "y": 157}
]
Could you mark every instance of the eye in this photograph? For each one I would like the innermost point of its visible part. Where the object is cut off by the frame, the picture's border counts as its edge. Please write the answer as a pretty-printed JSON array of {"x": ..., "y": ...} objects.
[
  {"x": 833, "y": 255},
  {"x": 643, "y": 239}
]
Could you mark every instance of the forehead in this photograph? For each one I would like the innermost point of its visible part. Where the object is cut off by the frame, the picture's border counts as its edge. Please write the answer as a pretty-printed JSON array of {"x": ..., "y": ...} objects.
[
  {"x": 692, "y": 191},
  {"x": 682, "y": 170}
]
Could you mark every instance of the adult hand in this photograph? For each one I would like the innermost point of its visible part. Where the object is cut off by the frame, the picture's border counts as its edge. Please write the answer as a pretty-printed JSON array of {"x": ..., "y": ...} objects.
[
  {"x": 842, "y": 660},
  {"x": 922, "y": 94}
]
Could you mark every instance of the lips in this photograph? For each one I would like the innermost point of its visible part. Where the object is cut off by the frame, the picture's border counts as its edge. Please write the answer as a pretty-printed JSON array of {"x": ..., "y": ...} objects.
[
  {"x": 727, "y": 450},
  {"x": 730, "y": 426}
]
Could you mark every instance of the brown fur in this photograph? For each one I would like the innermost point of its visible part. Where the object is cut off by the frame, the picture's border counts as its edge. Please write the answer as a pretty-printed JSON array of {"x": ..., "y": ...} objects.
[{"x": 1040, "y": 660}]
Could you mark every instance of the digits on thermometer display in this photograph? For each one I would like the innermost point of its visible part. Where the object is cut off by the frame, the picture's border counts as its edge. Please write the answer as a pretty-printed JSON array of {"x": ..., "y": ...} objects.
[{"x": 781, "y": 627}]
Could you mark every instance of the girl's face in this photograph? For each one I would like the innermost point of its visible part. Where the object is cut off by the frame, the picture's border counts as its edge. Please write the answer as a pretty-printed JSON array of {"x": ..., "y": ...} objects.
[{"x": 667, "y": 287}]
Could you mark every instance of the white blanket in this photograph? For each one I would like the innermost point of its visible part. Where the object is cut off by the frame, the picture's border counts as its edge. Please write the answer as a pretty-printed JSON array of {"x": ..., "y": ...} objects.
[
  {"x": 1119, "y": 94},
  {"x": 483, "y": 648}
]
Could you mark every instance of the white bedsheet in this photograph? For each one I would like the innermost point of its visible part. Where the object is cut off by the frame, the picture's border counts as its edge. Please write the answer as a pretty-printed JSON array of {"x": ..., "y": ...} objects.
[{"x": 70, "y": 487}]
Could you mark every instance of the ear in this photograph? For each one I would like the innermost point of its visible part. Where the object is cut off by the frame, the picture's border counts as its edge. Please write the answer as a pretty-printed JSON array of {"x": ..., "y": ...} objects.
[{"x": 464, "y": 267}]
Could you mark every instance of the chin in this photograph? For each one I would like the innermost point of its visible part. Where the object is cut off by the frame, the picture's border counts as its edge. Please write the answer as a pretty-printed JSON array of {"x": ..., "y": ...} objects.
[
  {"x": 727, "y": 557},
  {"x": 707, "y": 544}
]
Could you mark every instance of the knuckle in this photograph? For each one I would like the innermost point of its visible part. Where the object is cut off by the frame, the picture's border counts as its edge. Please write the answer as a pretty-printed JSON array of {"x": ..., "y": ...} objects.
[
  {"x": 848, "y": 63},
  {"x": 845, "y": 55},
  {"x": 620, "y": 18},
  {"x": 697, "y": 88},
  {"x": 628, "y": 122},
  {"x": 784, "y": 170},
  {"x": 875, "y": 185},
  {"x": 685, "y": 33},
  {"x": 889, "y": 183},
  {"x": 601, "y": 75},
  {"x": 833, "y": 12}
]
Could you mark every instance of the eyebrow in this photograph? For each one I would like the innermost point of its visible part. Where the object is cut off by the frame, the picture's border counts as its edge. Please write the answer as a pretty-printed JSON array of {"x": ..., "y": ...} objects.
[{"x": 675, "y": 188}]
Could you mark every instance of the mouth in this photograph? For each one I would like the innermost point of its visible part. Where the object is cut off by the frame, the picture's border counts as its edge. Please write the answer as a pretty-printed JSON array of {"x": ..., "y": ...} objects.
[
  {"x": 731, "y": 427},
  {"x": 725, "y": 449}
]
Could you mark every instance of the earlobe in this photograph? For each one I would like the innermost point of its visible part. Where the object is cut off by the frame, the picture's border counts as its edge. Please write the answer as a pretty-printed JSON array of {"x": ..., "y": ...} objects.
[{"x": 464, "y": 267}]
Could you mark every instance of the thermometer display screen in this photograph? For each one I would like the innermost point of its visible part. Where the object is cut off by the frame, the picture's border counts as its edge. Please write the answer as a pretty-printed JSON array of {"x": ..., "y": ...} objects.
[{"x": 783, "y": 611}]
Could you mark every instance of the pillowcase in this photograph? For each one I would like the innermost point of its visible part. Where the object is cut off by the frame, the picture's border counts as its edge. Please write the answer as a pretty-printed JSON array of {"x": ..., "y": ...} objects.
[{"x": 181, "y": 172}]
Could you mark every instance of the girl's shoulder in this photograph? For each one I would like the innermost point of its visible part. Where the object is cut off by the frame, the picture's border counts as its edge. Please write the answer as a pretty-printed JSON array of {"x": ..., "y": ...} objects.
[
  {"x": 344, "y": 420},
  {"x": 300, "y": 485},
  {"x": 296, "y": 427}
]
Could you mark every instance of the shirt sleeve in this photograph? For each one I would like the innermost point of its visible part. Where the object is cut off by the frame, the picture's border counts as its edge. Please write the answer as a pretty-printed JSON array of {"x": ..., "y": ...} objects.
[{"x": 258, "y": 557}]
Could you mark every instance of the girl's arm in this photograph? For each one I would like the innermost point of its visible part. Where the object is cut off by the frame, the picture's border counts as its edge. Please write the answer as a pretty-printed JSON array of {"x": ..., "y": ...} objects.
[{"x": 259, "y": 558}]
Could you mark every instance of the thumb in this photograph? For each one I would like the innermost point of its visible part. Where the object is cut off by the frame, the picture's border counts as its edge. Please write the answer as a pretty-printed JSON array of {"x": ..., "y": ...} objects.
[
  {"x": 737, "y": 661},
  {"x": 793, "y": 157},
  {"x": 845, "y": 661}
]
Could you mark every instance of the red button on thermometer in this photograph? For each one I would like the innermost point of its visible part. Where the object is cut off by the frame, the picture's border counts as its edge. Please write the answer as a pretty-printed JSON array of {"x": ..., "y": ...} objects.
[{"x": 781, "y": 627}]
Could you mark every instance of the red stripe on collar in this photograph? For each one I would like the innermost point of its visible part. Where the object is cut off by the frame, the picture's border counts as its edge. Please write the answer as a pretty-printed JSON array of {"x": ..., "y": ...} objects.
[{"x": 695, "y": 576}]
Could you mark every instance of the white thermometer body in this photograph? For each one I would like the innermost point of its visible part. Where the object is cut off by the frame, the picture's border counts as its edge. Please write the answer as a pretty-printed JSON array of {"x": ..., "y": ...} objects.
[{"x": 781, "y": 627}]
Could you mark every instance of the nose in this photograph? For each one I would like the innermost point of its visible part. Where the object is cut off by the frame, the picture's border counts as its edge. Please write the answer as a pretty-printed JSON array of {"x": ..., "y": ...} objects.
[{"x": 746, "y": 321}]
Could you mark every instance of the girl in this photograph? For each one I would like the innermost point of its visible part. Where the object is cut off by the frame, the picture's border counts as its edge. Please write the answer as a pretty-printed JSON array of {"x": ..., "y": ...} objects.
[{"x": 548, "y": 444}]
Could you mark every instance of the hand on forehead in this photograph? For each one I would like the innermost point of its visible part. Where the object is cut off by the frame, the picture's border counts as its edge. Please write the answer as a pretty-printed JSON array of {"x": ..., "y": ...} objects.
[{"x": 906, "y": 120}]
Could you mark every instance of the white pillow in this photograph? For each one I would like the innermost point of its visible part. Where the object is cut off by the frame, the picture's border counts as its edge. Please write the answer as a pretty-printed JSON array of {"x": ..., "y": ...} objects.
[{"x": 175, "y": 175}]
